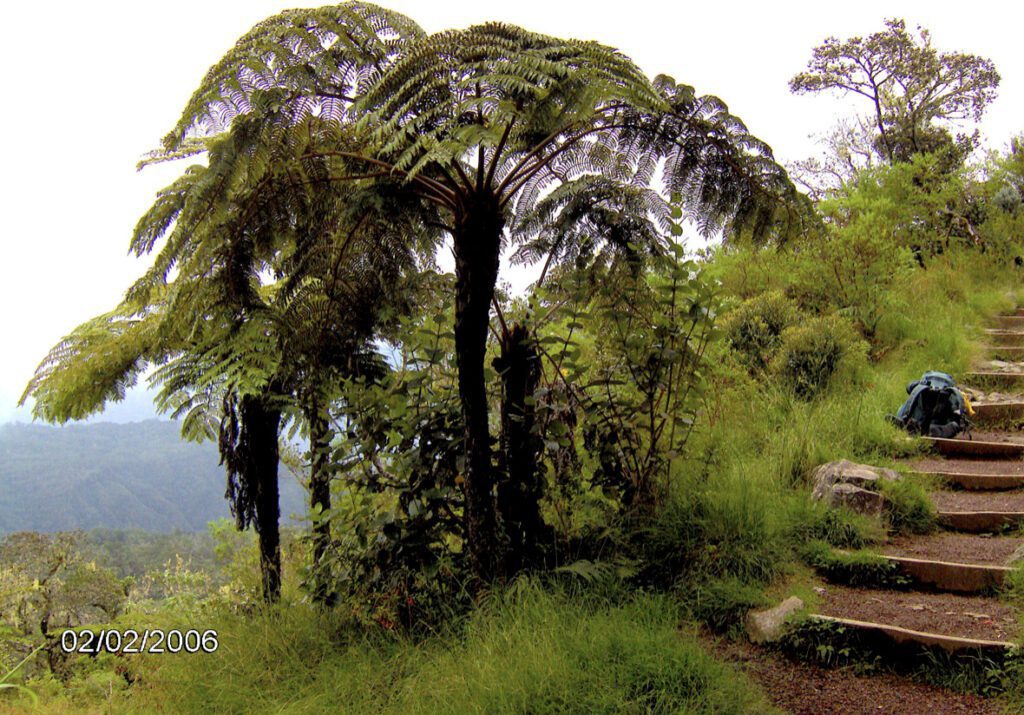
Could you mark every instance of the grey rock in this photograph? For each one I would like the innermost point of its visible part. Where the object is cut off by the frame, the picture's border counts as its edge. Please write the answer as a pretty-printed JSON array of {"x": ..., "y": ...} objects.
[
  {"x": 844, "y": 471},
  {"x": 766, "y": 626},
  {"x": 860, "y": 500}
]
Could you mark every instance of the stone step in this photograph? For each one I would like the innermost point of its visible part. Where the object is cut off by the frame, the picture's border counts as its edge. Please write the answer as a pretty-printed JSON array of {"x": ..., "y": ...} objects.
[
  {"x": 952, "y": 577},
  {"x": 1009, "y": 322},
  {"x": 1005, "y": 338},
  {"x": 950, "y": 547},
  {"x": 1005, "y": 352},
  {"x": 975, "y": 448},
  {"x": 959, "y": 616},
  {"x": 990, "y": 378},
  {"x": 978, "y": 482},
  {"x": 977, "y": 522},
  {"x": 905, "y": 636},
  {"x": 997, "y": 412}
]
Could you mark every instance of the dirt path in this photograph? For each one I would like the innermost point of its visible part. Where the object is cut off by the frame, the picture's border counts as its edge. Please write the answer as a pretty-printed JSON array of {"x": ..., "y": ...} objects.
[{"x": 805, "y": 689}]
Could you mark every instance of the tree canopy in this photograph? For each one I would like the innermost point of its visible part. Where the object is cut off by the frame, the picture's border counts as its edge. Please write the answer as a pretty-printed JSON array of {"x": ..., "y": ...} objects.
[{"x": 914, "y": 90}]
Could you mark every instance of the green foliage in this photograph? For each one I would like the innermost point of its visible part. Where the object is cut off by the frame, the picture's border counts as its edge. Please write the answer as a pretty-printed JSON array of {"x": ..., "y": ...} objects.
[
  {"x": 726, "y": 527},
  {"x": 816, "y": 352},
  {"x": 398, "y": 550},
  {"x": 827, "y": 644},
  {"x": 46, "y": 585},
  {"x": 832, "y": 645},
  {"x": 812, "y": 521},
  {"x": 911, "y": 87},
  {"x": 640, "y": 392},
  {"x": 95, "y": 364},
  {"x": 755, "y": 328},
  {"x": 971, "y": 673}
]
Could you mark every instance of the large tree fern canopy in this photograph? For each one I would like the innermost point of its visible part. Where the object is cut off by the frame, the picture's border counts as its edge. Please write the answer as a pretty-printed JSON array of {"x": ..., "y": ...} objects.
[
  {"x": 492, "y": 108},
  {"x": 349, "y": 119}
]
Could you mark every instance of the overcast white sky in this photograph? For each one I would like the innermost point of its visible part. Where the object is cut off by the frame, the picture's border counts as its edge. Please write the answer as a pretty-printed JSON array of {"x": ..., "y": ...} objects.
[{"x": 93, "y": 86}]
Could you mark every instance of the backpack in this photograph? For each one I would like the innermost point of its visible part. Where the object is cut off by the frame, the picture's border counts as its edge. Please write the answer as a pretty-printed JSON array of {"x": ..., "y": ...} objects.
[{"x": 934, "y": 408}]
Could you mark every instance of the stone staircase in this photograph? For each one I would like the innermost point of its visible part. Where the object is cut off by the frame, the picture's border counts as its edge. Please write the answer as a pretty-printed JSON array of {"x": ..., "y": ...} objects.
[{"x": 953, "y": 576}]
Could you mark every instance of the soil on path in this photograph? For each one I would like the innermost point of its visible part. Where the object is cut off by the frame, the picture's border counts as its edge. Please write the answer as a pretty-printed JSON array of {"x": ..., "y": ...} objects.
[
  {"x": 1011, "y": 501},
  {"x": 805, "y": 689},
  {"x": 955, "y": 548},
  {"x": 946, "y": 613},
  {"x": 1012, "y": 467},
  {"x": 1011, "y": 437}
]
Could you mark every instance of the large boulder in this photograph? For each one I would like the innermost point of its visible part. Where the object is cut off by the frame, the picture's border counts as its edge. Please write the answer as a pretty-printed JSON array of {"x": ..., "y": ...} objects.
[
  {"x": 846, "y": 483},
  {"x": 767, "y": 626}
]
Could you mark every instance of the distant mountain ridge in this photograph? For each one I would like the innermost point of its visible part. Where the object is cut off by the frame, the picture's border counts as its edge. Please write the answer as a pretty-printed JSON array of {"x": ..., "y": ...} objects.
[{"x": 119, "y": 476}]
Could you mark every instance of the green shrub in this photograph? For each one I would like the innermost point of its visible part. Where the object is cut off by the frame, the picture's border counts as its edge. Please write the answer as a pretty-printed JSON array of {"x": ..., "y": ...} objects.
[
  {"x": 755, "y": 328},
  {"x": 723, "y": 528},
  {"x": 812, "y": 353}
]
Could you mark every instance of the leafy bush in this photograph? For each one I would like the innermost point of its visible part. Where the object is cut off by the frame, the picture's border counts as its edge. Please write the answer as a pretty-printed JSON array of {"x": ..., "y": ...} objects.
[
  {"x": 755, "y": 328},
  {"x": 812, "y": 353}
]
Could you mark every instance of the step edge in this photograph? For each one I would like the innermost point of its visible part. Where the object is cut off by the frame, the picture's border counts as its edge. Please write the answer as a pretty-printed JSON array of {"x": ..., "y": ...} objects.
[
  {"x": 942, "y": 640},
  {"x": 947, "y": 440},
  {"x": 957, "y": 564},
  {"x": 967, "y": 475}
]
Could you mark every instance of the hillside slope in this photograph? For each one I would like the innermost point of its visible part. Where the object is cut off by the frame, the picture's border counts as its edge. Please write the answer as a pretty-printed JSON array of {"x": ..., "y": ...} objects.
[{"x": 137, "y": 475}]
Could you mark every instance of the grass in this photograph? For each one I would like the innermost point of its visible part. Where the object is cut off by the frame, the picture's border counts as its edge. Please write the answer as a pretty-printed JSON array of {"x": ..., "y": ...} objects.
[
  {"x": 856, "y": 568},
  {"x": 908, "y": 508},
  {"x": 528, "y": 650}
]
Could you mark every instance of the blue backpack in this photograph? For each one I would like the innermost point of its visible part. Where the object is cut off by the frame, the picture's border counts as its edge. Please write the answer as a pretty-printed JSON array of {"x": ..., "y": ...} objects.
[{"x": 934, "y": 408}]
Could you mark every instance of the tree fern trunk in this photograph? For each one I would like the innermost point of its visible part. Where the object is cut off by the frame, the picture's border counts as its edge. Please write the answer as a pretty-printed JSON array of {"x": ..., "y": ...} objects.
[
  {"x": 263, "y": 423},
  {"x": 320, "y": 495},
  {"x": 521, "y": 487},
  {"x": 477, "y": 244}
]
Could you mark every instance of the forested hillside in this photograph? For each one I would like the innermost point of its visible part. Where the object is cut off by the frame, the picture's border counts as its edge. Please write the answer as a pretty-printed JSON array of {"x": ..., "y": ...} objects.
[{"x": 140, "y": 475}]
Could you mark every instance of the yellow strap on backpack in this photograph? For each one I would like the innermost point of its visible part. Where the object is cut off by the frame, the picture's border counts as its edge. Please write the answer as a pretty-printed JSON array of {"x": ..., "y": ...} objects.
[{"x": 967, "y": 404}]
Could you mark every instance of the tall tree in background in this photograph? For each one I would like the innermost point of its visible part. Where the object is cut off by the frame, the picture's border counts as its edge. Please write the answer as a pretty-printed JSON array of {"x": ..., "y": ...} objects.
[{"x": 914, "y": 91}]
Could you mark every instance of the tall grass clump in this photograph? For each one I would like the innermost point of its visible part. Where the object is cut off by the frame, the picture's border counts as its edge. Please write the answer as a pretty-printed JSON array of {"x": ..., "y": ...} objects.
[
  {"x": 530, "y": 649},
  {"x": 908, "y": 508}
]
